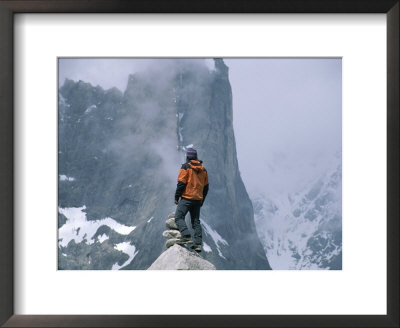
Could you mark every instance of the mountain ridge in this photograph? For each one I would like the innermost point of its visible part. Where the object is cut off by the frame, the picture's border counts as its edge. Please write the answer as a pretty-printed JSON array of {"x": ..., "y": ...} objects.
[{"x": 304, "y": 230}]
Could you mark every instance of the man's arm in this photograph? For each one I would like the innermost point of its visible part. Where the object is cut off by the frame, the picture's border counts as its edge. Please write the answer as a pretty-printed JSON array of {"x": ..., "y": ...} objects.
[
  {"x": 182, "y": 181},
  {"x": 180, "y": 188},
  {"x": 205, "y": 191}
]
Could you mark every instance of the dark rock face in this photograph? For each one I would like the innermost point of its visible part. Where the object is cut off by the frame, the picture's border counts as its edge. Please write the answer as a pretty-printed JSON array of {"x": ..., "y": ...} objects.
[{"x": 118, "y": 157}]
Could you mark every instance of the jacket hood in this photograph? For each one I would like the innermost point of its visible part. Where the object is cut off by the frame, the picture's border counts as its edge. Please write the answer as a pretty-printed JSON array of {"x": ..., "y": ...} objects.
[{"x": 196, "y": 165}]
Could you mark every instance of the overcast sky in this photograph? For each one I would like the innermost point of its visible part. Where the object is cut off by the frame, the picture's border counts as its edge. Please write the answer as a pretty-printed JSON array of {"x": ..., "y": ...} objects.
[
  {"x": 106, "y": 72},
  {"x": 287, "y": 113},
  {"x": 287, "y": 119}
]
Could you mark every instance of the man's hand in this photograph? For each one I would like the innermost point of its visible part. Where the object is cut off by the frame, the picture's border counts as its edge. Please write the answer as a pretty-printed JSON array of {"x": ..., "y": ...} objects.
[{"x": 176, "y": 202}]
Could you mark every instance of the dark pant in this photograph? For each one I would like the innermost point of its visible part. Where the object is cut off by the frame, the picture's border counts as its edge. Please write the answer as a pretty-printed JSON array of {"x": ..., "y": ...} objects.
[{"x": 192, "y": 206}]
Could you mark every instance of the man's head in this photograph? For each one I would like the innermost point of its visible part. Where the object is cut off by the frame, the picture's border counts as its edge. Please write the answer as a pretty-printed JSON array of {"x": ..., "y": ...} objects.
[{"x": 191, "y": 153}]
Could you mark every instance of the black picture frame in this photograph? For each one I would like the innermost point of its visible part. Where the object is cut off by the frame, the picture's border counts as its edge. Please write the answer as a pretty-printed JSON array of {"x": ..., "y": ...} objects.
[{"x": 10, "y": 7}]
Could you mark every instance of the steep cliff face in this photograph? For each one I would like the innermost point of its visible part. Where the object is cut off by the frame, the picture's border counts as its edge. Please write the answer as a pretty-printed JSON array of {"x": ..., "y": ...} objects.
[
  {"x": 119, "y": 155},
  {"x": 208, "y": 125}
]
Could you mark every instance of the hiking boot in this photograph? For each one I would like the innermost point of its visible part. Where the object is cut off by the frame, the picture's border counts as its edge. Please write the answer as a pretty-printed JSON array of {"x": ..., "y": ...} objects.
[
  {"x": 184, "y": 240},
  {"x": 197, "y": 248}
]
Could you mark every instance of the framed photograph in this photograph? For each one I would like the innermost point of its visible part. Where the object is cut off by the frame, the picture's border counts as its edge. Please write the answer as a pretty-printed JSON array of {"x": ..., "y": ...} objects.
[
  {"x": 271, "y": 127},
  {"x": 285, "y": 209}
]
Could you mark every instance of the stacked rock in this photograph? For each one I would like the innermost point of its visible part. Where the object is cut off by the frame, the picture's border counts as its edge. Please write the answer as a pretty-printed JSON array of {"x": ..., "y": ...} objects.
[{"x": 173, "y": 235}]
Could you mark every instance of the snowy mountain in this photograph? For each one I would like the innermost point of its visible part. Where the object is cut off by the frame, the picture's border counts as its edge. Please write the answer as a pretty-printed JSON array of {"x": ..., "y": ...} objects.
[{"x": 303, "y": 230}]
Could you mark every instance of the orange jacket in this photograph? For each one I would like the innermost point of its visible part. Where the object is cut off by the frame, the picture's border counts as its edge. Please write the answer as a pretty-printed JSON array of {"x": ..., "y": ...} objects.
[{"x": 192, "y": 181}]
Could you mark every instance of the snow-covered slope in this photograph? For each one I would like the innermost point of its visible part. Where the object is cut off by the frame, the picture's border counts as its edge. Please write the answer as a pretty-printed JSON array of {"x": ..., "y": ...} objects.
[
  {"x": 303, "y": 230},
  {"x": 93, "y": 244}
]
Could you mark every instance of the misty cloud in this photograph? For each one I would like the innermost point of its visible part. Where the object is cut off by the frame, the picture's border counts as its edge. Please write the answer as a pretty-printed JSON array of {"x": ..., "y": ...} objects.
[{"x": 287, "y": 119}]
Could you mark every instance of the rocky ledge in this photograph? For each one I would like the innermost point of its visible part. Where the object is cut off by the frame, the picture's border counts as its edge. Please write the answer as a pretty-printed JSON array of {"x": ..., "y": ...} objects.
[{"x": 179, "y": 258}]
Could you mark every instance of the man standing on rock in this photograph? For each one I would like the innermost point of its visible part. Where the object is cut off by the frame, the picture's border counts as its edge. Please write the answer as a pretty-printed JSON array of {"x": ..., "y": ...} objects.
[{"x": 192, "y": 189}]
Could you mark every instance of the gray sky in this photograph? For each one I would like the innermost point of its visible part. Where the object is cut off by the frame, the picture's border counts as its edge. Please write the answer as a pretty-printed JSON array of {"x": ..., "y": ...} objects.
[
  {"x": 106, "y": 72},
  {"x": 287, "y": 113},
  {"x": 287, "y": 119}
]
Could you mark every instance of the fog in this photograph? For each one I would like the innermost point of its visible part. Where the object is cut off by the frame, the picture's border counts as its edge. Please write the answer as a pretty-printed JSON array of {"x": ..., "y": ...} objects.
[
  {"x": 148, "y": 129},
  {"x": 287, "y": 120},
  {"x": 286, "y": 114},
  {"x": 105, "y": 72}
]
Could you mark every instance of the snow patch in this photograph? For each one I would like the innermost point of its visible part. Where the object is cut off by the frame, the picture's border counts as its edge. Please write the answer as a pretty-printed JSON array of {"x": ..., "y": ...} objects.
[
  {"x": 218, "y": 240},
  {"x": 62, "y": 100},
  {"x": 180, "y": 134},
  {"x": 78, "y": 228},
  {"x": 206, "y": 248},
  {"x": 126, "y": 248},
  {"x": 63, "y": 177},
  {"x": 90, "y": 108},
  {"x": 102, "y": 238}
]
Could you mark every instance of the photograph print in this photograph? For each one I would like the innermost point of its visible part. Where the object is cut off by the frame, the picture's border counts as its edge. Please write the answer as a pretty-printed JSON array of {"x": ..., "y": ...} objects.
[{"x": 199, "y": 163}]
